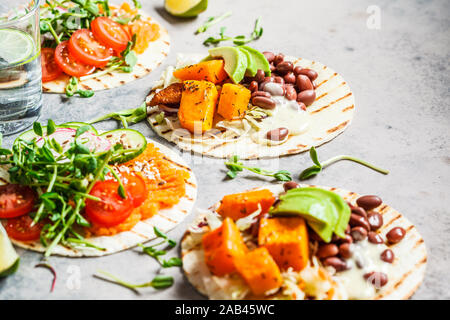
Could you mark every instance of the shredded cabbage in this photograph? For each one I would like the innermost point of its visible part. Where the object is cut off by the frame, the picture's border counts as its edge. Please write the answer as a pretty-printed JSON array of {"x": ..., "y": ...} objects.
[{"x": 246, "y": 222}]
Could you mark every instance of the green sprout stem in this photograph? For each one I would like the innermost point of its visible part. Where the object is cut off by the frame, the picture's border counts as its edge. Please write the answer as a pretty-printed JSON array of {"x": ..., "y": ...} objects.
[
  {"x": 357, "y": 160},
  {"x": 212, "y": 21}
]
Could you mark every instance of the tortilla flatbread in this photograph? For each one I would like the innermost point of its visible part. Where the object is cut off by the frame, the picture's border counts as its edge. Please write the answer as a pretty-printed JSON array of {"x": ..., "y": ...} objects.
[
  {"x": 165, "y": 220},
  {"x": 331, "y": 114},
  {"x": 406, "y": 274},
  {"x": 150, "y": 59}
]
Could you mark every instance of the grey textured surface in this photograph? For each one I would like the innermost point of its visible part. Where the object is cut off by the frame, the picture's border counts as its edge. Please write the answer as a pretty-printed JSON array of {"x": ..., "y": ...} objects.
[{"x": 399, "y": 75}]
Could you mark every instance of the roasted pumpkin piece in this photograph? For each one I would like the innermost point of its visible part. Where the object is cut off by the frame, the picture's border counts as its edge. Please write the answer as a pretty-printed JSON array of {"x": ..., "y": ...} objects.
[
  {"x": 287, "y": 241},
  {"x": 197, "y": 105},
  {"x": 169, "y": 95},
  {"x": 239, "y": 205},
  {"x": 222, "y": 246},
  {"x": 259, "y": 271},
  {"x": 211, "y": 70},
  {"x": 233, "y": 101}
]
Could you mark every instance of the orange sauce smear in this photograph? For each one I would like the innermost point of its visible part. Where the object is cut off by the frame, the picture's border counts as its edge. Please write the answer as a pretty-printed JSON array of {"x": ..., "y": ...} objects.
[{"x": 166, "y": 186}]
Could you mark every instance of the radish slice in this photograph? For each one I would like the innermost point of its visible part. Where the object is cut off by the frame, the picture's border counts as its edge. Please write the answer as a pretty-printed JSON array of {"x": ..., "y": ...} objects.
[{"x": 64, "y": 136}]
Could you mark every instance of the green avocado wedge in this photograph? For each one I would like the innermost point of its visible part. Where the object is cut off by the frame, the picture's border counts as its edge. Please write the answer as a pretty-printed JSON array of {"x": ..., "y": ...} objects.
[
  {"x": 9, "y": 260},
  {"x": 235, "y": 61},
  {"x": 259, "y": 61},
  {"x": 251, "y": 64},
  {"x": 326, "y": 212}
]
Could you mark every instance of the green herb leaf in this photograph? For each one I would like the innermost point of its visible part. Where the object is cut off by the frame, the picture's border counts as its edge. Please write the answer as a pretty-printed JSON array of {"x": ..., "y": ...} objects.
[
  {"x": 172, "y": 262},
  {"x": 310, "y": 172},
  {"x": 137, "y": 4},
  {"x": 37, "y": 128},
  {"x": 81, "y": 130},
  {"x": 235, "y": 166},
  {"x": 313, "y": 155},
  {"x": 158, "y": 282},
  {"x": 159, "y": 233},
  {"x": 51, "y": 127}
]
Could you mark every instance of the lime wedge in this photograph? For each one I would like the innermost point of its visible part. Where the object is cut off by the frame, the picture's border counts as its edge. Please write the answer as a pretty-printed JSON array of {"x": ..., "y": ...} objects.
[
  {"x": 185, "y": 8},
  {"x": 15, "y": 46},
  {"x": 9, "y": 260}
]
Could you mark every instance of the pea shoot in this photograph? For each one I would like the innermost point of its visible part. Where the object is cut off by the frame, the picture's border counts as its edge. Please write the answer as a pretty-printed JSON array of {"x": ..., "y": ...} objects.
[
  {"x": 212, "y": 21},
  {"x": 318, "y": 167},
  {"x": 158, "y": 282},
  {"x": 127, "y": 117},
  {"x": 235, "y": 166},
  {"x": 156, "y": 253}
]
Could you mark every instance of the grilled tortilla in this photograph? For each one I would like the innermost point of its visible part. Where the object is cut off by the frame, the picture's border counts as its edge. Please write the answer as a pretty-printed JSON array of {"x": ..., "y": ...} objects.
[
  {"x": 405, "y": 275},
  {"x": 150, "y": 59},
  {"x": 330, "y": 114},
  {"x": 165, "y": 219}
]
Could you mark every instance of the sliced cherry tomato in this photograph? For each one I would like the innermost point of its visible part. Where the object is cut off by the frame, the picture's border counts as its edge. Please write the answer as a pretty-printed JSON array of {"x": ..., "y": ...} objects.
[
  {"x": 112, "y": 209},
  {"x": 85, "y": 48},
  {"x": 135, "y": 185},
  {"x": 20, "y": 228},
  {"x": 50, "y": 70},
  {"x": 69, "y": 64},
  {"x": 16, "y": 200},
  {"x": 110, "y": 33}
]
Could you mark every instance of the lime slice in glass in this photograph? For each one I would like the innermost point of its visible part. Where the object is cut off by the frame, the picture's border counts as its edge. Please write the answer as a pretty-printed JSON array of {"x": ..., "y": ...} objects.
[
  {"x": 15, "y": 46},
  {"x": 185, "y": 8}
]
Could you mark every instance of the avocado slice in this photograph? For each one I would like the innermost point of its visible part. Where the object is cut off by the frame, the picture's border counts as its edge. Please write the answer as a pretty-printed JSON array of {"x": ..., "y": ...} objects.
[
  {"x": 259, "y": 60},
  {"x": 235, "y": 61},
  {"x": 251, "y": 64},
  {"x": 9, "y": 260},
  {"x": 325, "y": 211}
]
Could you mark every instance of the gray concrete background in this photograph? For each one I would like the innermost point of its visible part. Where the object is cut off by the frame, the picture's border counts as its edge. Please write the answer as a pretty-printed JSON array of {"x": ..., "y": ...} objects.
[{"x": 399, "y": 75}]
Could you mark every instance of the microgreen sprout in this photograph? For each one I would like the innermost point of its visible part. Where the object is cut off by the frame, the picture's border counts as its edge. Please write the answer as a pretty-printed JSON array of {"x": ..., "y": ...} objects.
[
  {"x": 212, "y": 21},
  {"x": 318, "y": 167},
  {"x": 127, "y": 117},
  {"x": 156, "y": 253},
  {"x": 237, "y": 40},
  {"x": 235, "y": 166},
  {"x": 158, "y": 282}
]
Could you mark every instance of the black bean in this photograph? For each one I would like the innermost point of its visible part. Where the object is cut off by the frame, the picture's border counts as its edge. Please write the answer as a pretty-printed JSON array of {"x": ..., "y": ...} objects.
[
  {"x": 374, "y": 238},
  {"x": 378, "y": 279},
  {"x": 369, "y": 202},
  {"x": 290, "y": 185},
  {"x": 395, "y": 235},
  {"x": 327, "y": 250},
  {"x": 387, "y": 256}
]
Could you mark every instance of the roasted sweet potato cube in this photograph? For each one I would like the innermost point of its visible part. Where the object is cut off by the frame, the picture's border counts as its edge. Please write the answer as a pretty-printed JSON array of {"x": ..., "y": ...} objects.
[
  {"x": 259, "y": 271},
  {"x": 233, "y": 101},
  {"x": 222, "y": 246},
  {"x": 240, "y": 205},
  {"x": 287, "y": 241},
  {"x": 211, "y": 70},
  {"x": 198, "y": 105}
]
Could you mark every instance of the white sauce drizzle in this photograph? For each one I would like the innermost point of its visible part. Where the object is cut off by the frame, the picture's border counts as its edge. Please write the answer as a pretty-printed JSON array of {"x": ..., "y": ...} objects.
[
  {"x": 368, "y": 254},
  {"x": 287, "y": 114}
]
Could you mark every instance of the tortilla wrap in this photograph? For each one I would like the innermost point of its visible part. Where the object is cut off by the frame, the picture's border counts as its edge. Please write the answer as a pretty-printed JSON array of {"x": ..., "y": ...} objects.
[
  {"x": 331, "y": 113},
  {"x": 165, "y": 220},
  {"x": 407, "y": 272},
  {"x": 150, "y": 59}
]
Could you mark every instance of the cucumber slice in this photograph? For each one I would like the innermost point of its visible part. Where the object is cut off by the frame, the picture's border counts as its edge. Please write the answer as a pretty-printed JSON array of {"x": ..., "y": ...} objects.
[
  {"x": 30, "y": 135},
  {"x": 9, "y": 260},
  {"x": 133, "y": 142},
  {"x": 77, "y": 125}
]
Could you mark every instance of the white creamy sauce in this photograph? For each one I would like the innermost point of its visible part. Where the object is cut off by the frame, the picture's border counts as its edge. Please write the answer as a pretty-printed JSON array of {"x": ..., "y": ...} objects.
[
  {"x": 287, "y": 114},
  {"x": 368, "y": 254}
]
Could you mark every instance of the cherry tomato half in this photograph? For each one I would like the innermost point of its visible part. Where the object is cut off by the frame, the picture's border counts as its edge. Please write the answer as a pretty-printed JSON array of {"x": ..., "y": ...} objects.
[
  {"x": 69, "y": 64},
  {"x": 85, "y": 48},
  {"x": 20, "y": 228},
  {"x": 135, "y": 186},
  {"x": 50, "y": 70},
  {"x": 110, "y": 33},
  {"x": 112, "y": 209},
  {"x": 16, "y": 200}
]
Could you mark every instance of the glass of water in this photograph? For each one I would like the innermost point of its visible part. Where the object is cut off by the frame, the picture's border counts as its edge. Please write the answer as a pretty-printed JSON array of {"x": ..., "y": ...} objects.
[{"x": 20, "y": 65}]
